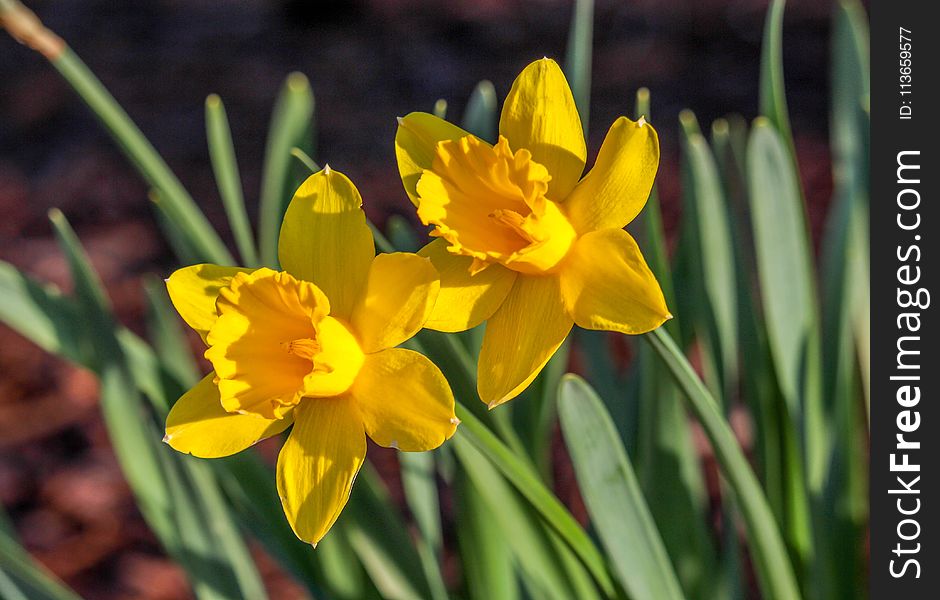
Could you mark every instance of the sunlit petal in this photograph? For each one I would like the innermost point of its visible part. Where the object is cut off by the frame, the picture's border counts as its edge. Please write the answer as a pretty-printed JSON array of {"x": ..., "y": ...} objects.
[
  {"x": 540, "y": 115},
  {"x": 405, "y": 401},
  {"x": 325, "y": 240},
  {"x": 198, "y": 425},
  {"x": 193, "y": 291},
  {"x": 318, "y": 464},
  {"x": 607, "y": 285},
  {"x": 520, "y": 338},
  {"x": 615, "y": 190},
  {"x": 465, "y": 300}
]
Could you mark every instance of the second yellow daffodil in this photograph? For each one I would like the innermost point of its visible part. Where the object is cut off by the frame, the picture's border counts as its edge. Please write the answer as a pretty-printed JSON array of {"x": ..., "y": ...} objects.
[
  {"x": 313, "y": 346},
  {"x": 525, "y": 243}
]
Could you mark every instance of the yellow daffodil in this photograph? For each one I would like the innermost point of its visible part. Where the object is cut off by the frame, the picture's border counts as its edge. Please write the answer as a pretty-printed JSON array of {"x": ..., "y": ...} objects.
[
  {"x": 525, "y": 243},
  {"x": 313, "y": 346}
]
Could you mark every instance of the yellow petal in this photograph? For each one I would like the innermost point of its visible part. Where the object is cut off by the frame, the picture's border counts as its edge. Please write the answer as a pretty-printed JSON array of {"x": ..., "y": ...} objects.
[
  {"x": 198, "y": 425},
  {"x": 607, "y": 285},
  {"x": 325, "y": 240},
  {"x": 416, "y": 143},
  {"x": 193, "y": 291},
  {"x": 399, "y": 295},
  {"x": 616, "y": 188},
  {"x": 539, "y": 114},
  {"x": 465, "y": 300},
  {"x": 318, "y": 464},
  {"x": 521, "y": 337},
  {"x": 405, "y": 401}
]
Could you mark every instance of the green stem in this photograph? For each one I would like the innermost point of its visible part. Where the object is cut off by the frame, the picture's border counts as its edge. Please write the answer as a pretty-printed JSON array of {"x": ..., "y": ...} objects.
[{"x": 771, "y": 561}]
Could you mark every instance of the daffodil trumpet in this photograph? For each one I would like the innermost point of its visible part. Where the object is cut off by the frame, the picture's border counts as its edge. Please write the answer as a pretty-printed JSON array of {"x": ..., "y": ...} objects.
[
  {"x": 525, "y": 243},
  {"x": 313, "y": 346}
]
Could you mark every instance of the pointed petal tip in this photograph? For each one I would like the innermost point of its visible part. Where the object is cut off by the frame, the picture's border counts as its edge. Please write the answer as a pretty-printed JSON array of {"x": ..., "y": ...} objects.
[
  {"x": 401, "y": 120},
  {"x": 641, "y": 121},
  {"x": 166, "y": 438},
  {"x": 455, "y": 421},
  {"x": 327, "y": 170}
]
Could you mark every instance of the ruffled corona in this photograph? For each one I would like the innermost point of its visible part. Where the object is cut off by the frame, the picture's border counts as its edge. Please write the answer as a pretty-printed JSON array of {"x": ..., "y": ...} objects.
[{"x": 490, "y": 204}]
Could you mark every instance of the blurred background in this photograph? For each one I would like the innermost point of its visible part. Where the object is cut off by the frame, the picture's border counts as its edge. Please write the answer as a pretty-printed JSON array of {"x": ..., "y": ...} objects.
[{"x": 368, "y": 62}]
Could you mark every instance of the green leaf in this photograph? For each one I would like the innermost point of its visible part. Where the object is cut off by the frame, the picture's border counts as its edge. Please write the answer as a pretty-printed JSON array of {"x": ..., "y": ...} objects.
[
  {"x": 526, "y": 481},
  {"x": 845, "y": 295},
  {"x": 175, "y": 201},
  {"x": 534, "y": 414},
  {"x": 612, "y": 495},
  {"x": 291, "y": 125},
  {"x": 773, "y": 98},
  {"x": 531, "y": 545},
  {"x": 485, "y": 554},
  {"x": 179, "y": 502},
  {"x": 22, "y": 578},
  {"x": 480, "y": 116},
  {"x": 768, "y": 552},
  {"x": 707, "y": 217},
  {"x": 41, "y": 314},
  {"x": 578, "y": 57},
  {"x": 381, "y": 540},
  {"x": 228, "y": 180},
  {"x": 420, "y": 486}
]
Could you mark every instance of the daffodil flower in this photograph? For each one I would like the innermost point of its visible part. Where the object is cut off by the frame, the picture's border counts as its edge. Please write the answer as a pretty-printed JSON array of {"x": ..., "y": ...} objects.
[
  {"x": 525, "y": 243},
  {"x": 313, "y": 346}
]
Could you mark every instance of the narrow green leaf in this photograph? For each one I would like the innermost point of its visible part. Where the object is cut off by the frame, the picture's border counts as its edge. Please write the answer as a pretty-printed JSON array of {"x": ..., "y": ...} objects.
[
  {"x": 420, "y": 486},
  {"x": 773, "y": 98},
  {"x": 291, "y": 124},
  {"x": 175, "y": 200},
  {"x": 527, "y": 482},
  {"x": 41, "y": 314},
  {"x": 534, "y": 414},
  {"x": 305, "y": 160},
  {"x": 612, "y": 495},
  {"x": 783, "y": 257},
  {"x": 845, "y": 294},
  {"x": 774, "y": 570},
  {"x": 708, "y": 217},
  {"x": 22, "y": 578},
  {"x": 126, "y": 426},
  {"x": 578, "y": 57},
  {"x": 484, "y": 549},
  {"x": 381, "y": 540},
  {"x": 228, "y": 180},
  {"x": 480, "y": 116},
  {"x": 529, "y": 542}
]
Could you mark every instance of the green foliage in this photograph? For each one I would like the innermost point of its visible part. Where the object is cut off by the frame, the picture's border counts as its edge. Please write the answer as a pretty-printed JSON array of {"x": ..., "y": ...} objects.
[{"x": 742, "y": 284}]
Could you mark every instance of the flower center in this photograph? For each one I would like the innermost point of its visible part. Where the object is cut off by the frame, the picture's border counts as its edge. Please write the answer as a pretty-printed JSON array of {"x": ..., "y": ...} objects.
[
  {"x": 490, "y": 203},
  {"x": 274, "y": 344},
  {"x": 305, "y": 348}
]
